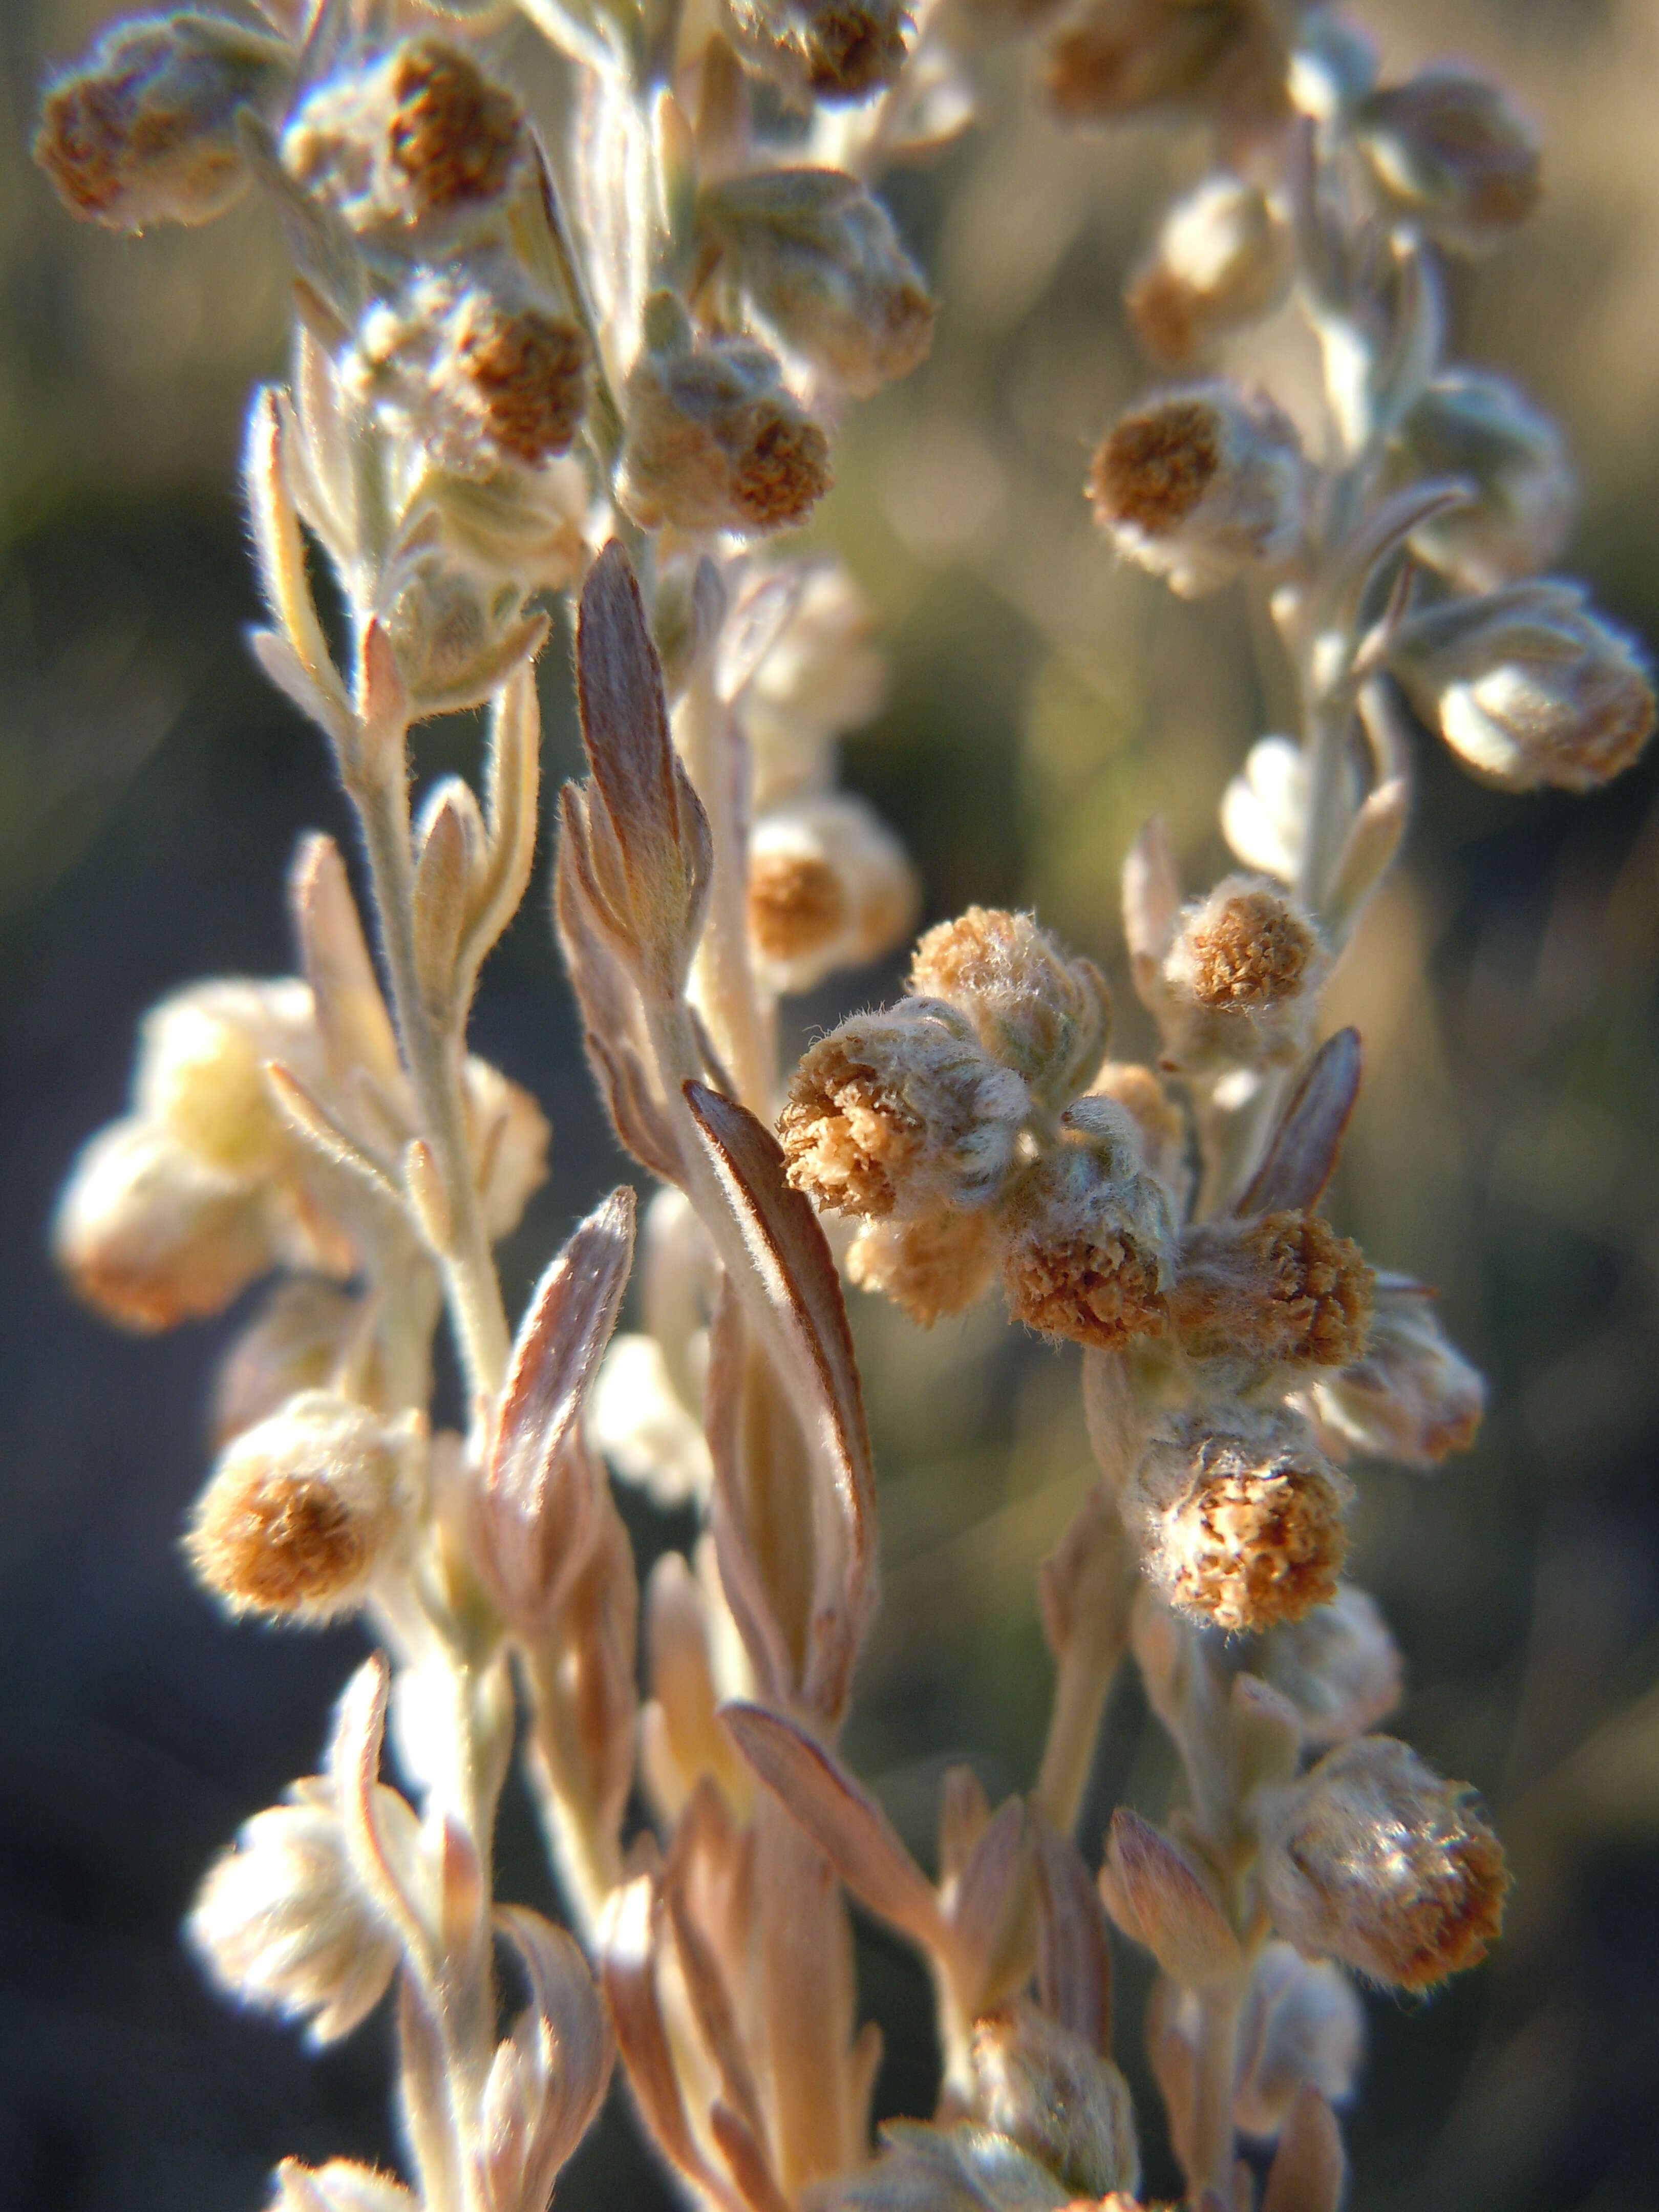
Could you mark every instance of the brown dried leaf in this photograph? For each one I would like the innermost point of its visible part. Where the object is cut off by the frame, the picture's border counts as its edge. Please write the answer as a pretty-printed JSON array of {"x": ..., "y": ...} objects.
[
  {"x": 1074, "y": 1959},
  {"x": 843, "y": 1819},
  {"x": 992, "y": 1911},
  {"x": 711, "y": 1999},
  {"x": 743, "y": 2151},
  {"x": 1309, "y": 2167},
  {"x": 742, "y": 1579},
  {"x": 562, "y": 1995},
  {"x": 1302, "y": 1153},
  {"x": 1160, "y": 1899}
]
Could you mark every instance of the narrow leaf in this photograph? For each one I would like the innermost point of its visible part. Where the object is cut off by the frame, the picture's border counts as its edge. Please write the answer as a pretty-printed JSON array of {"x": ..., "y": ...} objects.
[
  {"x": 351, "y": 1014},
  {"x": 1302, "y": 1153},
  {"x": 1074, "y": 1959},
  {"x": 1309, "y": 2167}
]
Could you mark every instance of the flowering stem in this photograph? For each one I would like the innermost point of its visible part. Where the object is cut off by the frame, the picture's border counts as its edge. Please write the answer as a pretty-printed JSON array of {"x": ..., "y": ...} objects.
[
  {"x": 1215, "y": 2077},
  {"x": 433, "y": 1062},
  {"x": 1083, "y": 1683}
]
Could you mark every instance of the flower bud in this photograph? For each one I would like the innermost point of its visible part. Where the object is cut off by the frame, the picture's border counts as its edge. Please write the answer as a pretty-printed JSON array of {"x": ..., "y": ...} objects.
[
  {"x": 1200, "y": 484},
  {"x": 455, "y": 633},
  {"x": 1036, "y": 1009},
  {"x": 300, "y": 1509},
  {"x": 1529, "y": 687},
  {"x": 829, "y": 886},
  {"x": 1338, "y": 1665},
  {"x": 938, "y": 1265},
  {"x": 303, "y": 1331},
  {"x": 1449, "y": 150},
  {"x": 200, "y": 1070},
  {"x": 715, "y": 439},
  {"x": 1046, "y": 2089},
  {"x": 1221, "y": 259},
  {"x": 1240, "y": 1518},
  {"x": 145, "y": 131},
  {"x": 1091, "y": 1237},
  {"x": 1160, "y": 1126},
  {"x": 1130, "y": 55},
  {"x": 281, "y": 1923},
  {"x": 1483, "y": 429},
  {"x": 1264, "y": 811},
  {"x": 901, "y": 1113},
  {"x": 835, "y": 49},
  {"x": 151, "y": 1234},
  {"x": 1239, "y": 980},
  {"x": 819, "y": 674},
  {"x": 421, "y": 136},
  {"x": 1414, "y": 1397},
  {"x": 1275, "y": 1287},
  {"x": 1374, "y": 1860},
  {"x": 818, "y": 265}
]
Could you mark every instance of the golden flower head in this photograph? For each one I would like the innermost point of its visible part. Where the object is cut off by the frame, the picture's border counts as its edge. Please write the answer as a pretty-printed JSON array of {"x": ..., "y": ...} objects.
[
  {"x": 1449, "y": 149},
  {"x": 1240, "y": 976},
  {"x": 1240, "y": 1515},
  {"x": 714, "y": 438},
  {"x": 1044, "y": 2088},
  {"x": 1273, "y": 1287},
  {"x": 829, "y": 886},
  {"x": 901, "y": 1113},
  {"x": 1374, "y": 1860},
  {"x": 1089, "y": 1236},
  {"x": 1040, "y": 1011},
  {"x": 1202, "y": 482},
  {"x": 300, "y": 1509},
  {"x": 1412, "y": 1397},
  {"x": 940, "y": 1264},
  {"x": 833, "y": 49},
  {"x": 1222, "y": 259},
  {"x": 144, "y": 131}
]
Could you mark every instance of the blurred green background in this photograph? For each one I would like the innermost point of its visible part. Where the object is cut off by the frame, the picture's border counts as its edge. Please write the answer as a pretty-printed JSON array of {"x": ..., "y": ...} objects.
[{"x": 1043, "y": 702}]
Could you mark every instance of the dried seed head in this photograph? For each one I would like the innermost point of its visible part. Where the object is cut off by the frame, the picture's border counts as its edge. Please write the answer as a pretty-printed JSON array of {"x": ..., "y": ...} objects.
[
  {"x": 1279, "y": 1286},
  {"x": 1529, "y": 687},
  {"x": 829, "y": 886},
  {"x": 1264, "y": 811},
  {"x": 1221, "y": 259},
  {"x": 1051, "y": 2093},
  {"x": 300, "y": 1509},
  {"x": 1091, "y": 1237},
  {"x": 901, "y": 1113},
  {"x": 1338, "y": 1665},
  {"x": 1481, "y": 428},
  {"x": 835, "y": 49},
  {"x": 1200, "y": 484},
  {"x": 1241, "y": 1518},
  {"x": 281, "y": 1922},
  {"x": 1240, "y": 978},
  {"x": 714, "y": 438},
  {"x": 1160, "y": 1125},
  {"x": 150, "y": 1234},
  {"x": 303, "y": 1330},
  {"x": 1374, "y": 1860},
  {"x": 814, "y": 260},
  {"x": 1129, "y": 55},
  {"x": 819, "y": 674},
  {"x": 1451, "y": 151},
  {"x": 938, "y": 1265},
  {"x": 145, "y": 131},
  {"x": 1412, "y": 1397},
  {"x": 200, "y": 1070},
  {"x": 1038, "y": 1010}
]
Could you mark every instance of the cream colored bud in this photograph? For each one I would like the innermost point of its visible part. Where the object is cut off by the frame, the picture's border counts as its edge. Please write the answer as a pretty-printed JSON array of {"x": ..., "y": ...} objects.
[
  {"x": 281, "y": 1922},
  {"x": 1451, "y": 151},
  {"x": 815, "y": 259},
  {"x": 1222, "y": 259},
  {"x": 1414, "y": 1397},
  {"x": 1529, "y": 687},
  {"x": 151, "y": 1234},
  {"x": 1338, "y": 1665},
  {"x": 1240, "y": 1517},
  {"x": 835, "y": 49},
  {"x": 1273, "y": 1287},
  {"x": 1130, "y": 55},
  {"x": 1159, "y": 1124},
  {"x": 1240, "y": 979},
  {"x": 938, "y": 1265},
  {"x": 144, "y": 131},
  {"x": 1040, "y": 1011},
  {"x": 200, "y": 1070},
  {"x": 456, "y": 633},
  {"x": 1374, "y": 1860},
  {"x": 1264, "y": 811},
  {"x": 303, "y": 1331},
  {"x": 714, "y": 438},
  {"x": 421, "y": 136},
  {"x": 1481, "y": 428},
  {"x": 829, "y": 887},
  {"x": 1200, "y": 484},
  {"x": 1091, "y": 1237},
  {"x": 1052, "y": 2094},
  {"x": 508, "y": 1134},
  {"x": 901, "y": 1113},
  {"x": 820, "y": 673},
  {"x": 300, "y": 1509}
]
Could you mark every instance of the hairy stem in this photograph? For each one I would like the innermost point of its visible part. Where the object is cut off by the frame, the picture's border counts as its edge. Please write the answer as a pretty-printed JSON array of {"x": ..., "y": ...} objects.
[{"x": 1214, "y": 2079}]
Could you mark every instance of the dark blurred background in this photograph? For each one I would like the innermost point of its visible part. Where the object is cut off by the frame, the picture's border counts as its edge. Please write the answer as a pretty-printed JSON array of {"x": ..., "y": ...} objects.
[{"x": 1042, "y": 702}]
